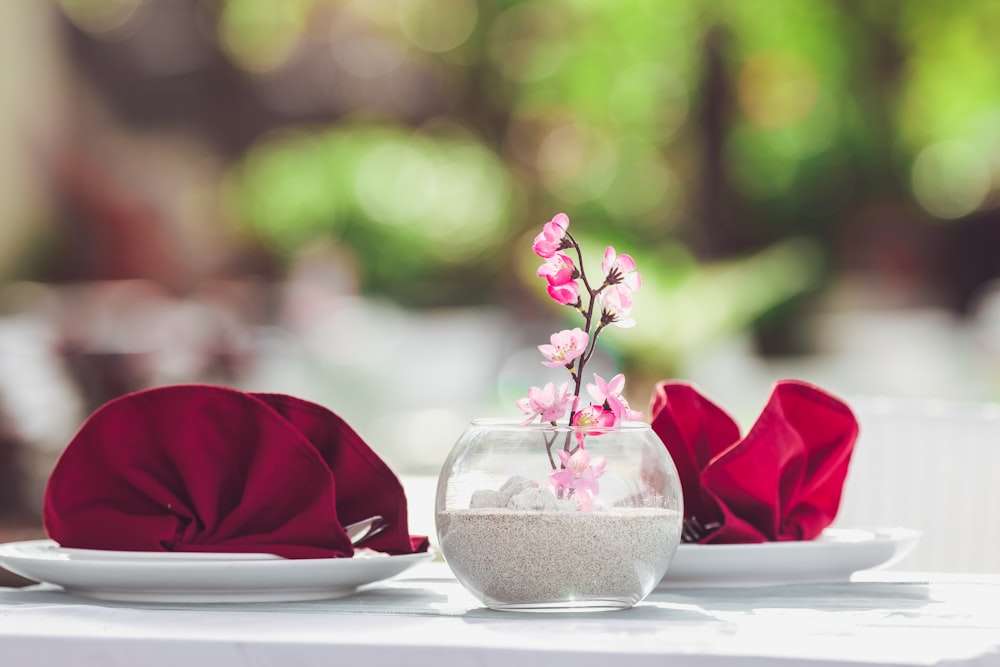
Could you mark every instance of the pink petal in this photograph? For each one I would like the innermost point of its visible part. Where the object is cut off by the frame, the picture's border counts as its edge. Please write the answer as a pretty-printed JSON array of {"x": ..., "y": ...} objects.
[
  {"x": 558, "y": 269},
  {"x": 609, "y": 260},
  {"x": 561, "y": 479},
  {"x": 584, "y": 502},
  {"x": 605, "y": 419},
  {"x": 568, "y": 294},
  {"x": 553, "y": 412},
  {"x": 579, "y": 461},
  {"x": 543, "y": 247},
  {"x": 626, "y": 263},
  {"x": 597, "y": 466}
]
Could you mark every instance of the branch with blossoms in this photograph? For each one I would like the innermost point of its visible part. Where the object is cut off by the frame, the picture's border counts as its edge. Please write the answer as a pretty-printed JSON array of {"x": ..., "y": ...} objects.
[{"x": 601, "y": 305}]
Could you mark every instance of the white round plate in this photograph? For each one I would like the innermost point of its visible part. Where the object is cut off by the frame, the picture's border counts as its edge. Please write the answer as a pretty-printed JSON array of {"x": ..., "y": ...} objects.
[
  {"x": 188, "y": 577},
  {"x": 834, "y": 556}
]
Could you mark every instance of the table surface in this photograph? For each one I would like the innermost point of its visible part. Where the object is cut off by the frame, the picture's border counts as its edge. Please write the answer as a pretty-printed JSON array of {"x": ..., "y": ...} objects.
[{"x": 425, "y": 617}]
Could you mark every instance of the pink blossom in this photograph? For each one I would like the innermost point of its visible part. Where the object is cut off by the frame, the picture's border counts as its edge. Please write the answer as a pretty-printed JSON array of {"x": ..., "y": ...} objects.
[
  {"x": 558, "y": 269},
  {"x": 620, "y": 269},
  {"x": 550, "y": 239},
  {"x": 616, "y": 305},
  {"x": 601, "y": 390},
  {"x": 578, "y": 476},
  {"x": 623, "y": 410},
  {"x": 567, "y": 295},
  {"x": 594, "y": 416},
  {"x": 565, "y": 346},
  {"x": 610, "y": 394},
  {"x": 584, "y": 501},
  {"x": 549, "y": 402},
  {"x": 580, "y": 464}
]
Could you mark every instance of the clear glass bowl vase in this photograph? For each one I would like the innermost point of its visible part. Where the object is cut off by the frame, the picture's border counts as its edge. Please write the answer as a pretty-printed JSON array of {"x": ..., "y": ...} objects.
[{"x": 525, "y": 527}]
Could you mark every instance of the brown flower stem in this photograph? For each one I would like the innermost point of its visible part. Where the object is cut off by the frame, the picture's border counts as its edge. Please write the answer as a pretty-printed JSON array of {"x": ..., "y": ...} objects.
[
  {"x": 579, "y": 257},
  {"x": 588, "y": 317},
  {"x": 548, "y": 448}
]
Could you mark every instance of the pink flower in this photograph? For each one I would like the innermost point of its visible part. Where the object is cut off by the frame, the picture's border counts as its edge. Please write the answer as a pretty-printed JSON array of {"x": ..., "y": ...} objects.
[
  {"x": 581, "y": 466},
  {"x": 616, "y": 305},
  {"x": 623, "y": 410},
  {"x": 594, "y": 416},
  {"x": 578, "y": 476},
  {"x": 567, "y": 295},
  {"x": 551, "y": 238},
  {"x": 565, "y": 346},
  {"x": 558, "y": 269},
  {"x": 584, "y": 501},
  {"x": 550, "y": 403},
  {"x": 601, "y": 390},
  {"x": 610, "y": 394},
  {"x": 620, "y": 269}
]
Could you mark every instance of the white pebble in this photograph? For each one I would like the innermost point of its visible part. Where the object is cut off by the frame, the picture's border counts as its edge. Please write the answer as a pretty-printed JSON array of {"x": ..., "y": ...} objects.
[
  {"x": 514, "y": 486},
  {"x": 483, "y": 498},
  {"x": 533, "y": 499}
]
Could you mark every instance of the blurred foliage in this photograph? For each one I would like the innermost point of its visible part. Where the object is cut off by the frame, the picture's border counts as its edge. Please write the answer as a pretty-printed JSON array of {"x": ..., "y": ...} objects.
[
  {"x": 417, "y": 207},
  {"x": 730, "y": 143}
]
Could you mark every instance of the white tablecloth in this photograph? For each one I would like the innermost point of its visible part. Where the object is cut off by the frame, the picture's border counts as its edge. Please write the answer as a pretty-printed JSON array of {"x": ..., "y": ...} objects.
[{"x": 425, "y": 617}]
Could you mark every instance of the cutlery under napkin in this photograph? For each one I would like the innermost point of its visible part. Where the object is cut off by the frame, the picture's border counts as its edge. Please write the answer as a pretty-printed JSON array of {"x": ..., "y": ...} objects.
[
  {"x": 206, "y": 468},
  {"x": 781, "y": 481}
]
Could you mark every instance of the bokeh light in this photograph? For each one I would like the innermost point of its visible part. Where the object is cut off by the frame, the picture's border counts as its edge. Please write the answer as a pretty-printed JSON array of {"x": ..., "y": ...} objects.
[
  {"x": 438, "y": 25},
  {"x": 577, "y": 162},
  {"x": 951, "y": 178},
  {"x": 262, "y": 35},
  {"x": 529, "y": 41},
  {"x": 102, "y": 18}
]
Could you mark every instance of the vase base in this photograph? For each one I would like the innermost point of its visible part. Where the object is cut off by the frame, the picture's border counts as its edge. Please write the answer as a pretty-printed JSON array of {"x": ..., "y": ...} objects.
[{"x": 563, "y": 606}]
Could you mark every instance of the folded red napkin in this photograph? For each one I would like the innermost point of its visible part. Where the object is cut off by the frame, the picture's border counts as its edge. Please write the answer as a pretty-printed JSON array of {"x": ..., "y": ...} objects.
[
  {"x": 782, "y": 481},
  {"x": 205, "y": 468}
]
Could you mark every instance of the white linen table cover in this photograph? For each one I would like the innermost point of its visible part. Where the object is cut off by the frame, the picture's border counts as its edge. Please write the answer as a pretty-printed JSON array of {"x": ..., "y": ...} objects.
[{"x": 425, "y": 617}]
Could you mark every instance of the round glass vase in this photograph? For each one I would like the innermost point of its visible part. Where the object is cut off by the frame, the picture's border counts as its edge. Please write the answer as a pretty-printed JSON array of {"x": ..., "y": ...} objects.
[{"x": 524, "y": 527}]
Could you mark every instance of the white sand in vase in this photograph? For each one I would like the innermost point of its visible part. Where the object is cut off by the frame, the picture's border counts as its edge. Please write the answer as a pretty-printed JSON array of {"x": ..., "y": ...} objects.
[{"x": 527, "y": 557}]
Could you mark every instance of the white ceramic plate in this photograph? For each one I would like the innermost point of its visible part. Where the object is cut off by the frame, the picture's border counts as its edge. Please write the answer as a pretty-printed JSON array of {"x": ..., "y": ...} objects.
[
  {"x": 190, "y": 577},
  {"x": 834, "y": 556}
]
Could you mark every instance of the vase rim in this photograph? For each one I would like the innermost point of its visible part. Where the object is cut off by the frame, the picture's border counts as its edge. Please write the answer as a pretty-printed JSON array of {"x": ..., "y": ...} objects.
[{"x": 501, "y": 423}]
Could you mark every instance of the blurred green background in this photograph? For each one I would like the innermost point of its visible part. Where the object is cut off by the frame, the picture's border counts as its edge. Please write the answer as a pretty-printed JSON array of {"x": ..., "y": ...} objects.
[{"x": 336, "y": 198}]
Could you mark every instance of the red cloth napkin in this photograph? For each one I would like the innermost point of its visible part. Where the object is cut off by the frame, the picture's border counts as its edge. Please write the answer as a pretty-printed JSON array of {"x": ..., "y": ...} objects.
[
  {"x": 204, "y": 468},
  {"x": 782, "y": 481}
]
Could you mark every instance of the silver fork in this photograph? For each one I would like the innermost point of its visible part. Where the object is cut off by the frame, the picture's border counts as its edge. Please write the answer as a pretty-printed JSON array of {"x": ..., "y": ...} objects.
[{"x": 359, "y": 531}]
